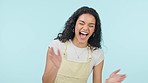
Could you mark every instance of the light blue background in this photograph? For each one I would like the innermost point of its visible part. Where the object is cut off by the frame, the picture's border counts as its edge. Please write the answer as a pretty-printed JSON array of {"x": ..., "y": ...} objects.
[{"x": 28, "y": 26}]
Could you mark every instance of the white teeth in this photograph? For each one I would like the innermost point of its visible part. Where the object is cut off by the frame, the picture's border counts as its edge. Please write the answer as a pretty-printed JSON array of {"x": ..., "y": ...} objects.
[{"x": 83, "y": 33}]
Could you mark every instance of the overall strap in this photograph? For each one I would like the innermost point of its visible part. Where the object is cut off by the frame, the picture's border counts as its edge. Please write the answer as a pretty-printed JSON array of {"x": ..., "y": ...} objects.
[
  {"x": 64, "y": 50},
  {"x": 65, "y": 53},
  {"x": 89, "y": 53}
]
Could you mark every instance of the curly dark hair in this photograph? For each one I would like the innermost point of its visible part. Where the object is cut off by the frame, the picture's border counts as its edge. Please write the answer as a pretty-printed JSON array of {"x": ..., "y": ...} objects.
[{"x": 94, "y": 40}]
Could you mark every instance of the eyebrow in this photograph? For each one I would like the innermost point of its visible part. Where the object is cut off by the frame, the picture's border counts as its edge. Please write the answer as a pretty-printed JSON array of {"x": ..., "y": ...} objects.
[
  {"x": 81, "y": 21},
  {"x": 84, "y": 22}
]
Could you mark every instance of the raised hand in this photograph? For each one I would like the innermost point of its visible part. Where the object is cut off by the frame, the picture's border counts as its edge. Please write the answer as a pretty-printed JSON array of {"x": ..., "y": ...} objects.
[
  {"x": 116, "y": 78},
  {"x": 53, "y": 62},
  {"x": 56, "y": 59}
]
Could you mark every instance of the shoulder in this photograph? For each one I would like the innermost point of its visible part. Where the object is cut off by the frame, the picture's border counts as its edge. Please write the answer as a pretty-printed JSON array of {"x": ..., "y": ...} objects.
[
  {"x": 55, "y": 43},
  {"x": 98, "y": 56},
  {"x": 98, "y": 52}
]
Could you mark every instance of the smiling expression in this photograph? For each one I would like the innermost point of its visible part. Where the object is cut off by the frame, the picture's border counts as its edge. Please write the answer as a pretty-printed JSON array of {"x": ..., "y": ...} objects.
[{"x": 84, "y": 28}]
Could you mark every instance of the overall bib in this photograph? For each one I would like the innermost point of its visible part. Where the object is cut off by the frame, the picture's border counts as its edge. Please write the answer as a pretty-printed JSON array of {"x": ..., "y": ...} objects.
[{"x": 73, "y": 72}]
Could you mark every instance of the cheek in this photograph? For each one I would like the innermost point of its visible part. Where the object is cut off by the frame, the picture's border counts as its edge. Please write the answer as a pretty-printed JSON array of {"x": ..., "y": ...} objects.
[
  {"x": 77, "y": 28},
  {"x": 92, "y": 30}
]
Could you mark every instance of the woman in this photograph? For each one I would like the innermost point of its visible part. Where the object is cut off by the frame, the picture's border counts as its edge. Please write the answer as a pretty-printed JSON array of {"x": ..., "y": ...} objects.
[{"x": 76, "y": 52}]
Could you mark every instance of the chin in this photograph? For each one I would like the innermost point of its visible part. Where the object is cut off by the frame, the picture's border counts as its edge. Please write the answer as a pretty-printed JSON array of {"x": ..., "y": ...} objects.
[{"x": 83, "y": 41}]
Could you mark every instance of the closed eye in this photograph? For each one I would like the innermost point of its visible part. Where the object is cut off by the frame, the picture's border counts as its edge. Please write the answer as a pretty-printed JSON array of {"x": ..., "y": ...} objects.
[
  {"x": 81, "y": 23},
  {"x": 92, "y": 26}
]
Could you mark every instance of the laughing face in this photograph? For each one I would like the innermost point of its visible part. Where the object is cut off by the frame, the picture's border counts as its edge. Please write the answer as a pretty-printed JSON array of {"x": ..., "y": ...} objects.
[{"x": 84, "y": 28}]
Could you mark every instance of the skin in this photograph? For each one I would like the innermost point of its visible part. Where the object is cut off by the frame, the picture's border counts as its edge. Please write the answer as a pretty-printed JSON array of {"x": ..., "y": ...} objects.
[
  {"x": 53, "y": 62},
  {"x": 85, "y": 23}
]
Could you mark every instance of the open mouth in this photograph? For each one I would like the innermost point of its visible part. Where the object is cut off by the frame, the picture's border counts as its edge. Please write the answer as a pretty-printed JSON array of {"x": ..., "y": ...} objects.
[{"x": 83, "y": 34}]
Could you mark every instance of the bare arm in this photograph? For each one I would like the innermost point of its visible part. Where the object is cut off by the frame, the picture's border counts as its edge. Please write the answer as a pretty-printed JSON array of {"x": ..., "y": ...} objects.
[
  {"x": 113, "y": 78},
  {"x": 97, "y": 73},
  {"x": 53, "y": 62}
]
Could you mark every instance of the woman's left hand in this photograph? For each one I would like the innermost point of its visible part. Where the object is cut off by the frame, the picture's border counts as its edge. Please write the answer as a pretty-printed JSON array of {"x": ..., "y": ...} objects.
[{"x": 116, "y": 78}]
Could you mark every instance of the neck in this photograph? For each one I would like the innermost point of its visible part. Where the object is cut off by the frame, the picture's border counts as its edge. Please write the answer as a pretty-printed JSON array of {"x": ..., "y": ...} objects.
[{"x": 79, "y": 44}]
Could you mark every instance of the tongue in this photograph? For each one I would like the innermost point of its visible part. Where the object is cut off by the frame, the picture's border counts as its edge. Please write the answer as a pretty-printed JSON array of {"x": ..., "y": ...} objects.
[{"x": 82, "y": 36}]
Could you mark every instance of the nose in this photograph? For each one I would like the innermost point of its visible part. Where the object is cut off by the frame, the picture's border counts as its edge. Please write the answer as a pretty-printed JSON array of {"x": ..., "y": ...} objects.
[{"x": 85, "y": 27}]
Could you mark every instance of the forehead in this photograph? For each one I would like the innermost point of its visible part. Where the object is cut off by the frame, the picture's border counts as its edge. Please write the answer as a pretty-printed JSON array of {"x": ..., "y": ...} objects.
[{"x": 87, "y": 18}]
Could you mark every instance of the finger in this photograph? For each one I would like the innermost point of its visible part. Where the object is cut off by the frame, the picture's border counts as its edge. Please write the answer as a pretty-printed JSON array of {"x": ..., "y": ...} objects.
[
  {"x": 59, "y": 54},
  {"x": 49, "y": 56},
  {"x": 115, "y": 72},
  {"x": 49, "y": 52},
  {"x": 124, "y": 76},
  {"x": 52, "y": 51},
  {"x": 121, "y": 75},
  {"x": 120, "y": 79}
]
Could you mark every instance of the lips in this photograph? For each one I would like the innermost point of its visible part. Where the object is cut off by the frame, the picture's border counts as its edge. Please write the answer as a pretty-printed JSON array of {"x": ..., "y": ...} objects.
[{"x": 83, "y": 34}]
